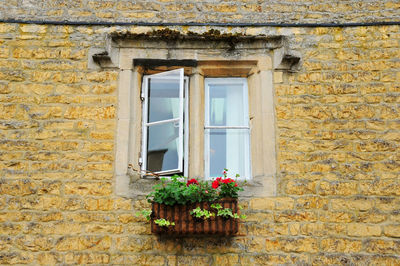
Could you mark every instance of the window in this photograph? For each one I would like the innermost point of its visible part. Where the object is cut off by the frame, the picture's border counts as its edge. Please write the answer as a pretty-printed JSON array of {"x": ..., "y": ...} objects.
[
  {"x": 227, "y": 131},
  {"x": 165, "y": 125},
  {"x": 190, "y": 144}
]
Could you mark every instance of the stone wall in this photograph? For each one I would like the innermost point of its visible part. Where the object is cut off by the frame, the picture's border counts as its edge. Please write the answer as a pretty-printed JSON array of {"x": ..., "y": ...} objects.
[
  {"x": 250, "y": 11},
  {"x": 338, "y": 134}
]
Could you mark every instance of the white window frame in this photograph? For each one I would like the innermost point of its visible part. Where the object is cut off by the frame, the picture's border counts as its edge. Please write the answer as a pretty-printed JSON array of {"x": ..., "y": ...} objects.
[
  {"x": 183, "y": 148},
  {"x": 235, "y": 81}
]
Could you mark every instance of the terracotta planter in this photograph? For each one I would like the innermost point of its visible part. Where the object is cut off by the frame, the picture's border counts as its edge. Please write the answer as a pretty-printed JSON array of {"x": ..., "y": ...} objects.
[{"x": 186, "y": 224}]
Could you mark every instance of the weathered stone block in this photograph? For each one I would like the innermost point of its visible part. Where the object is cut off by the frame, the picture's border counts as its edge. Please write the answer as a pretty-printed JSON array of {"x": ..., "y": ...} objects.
[
  {"x": 103, "y": 204},
  {"x": 87, "y": 258},
  {"x": 48, "y": 258},
  {"x": 16, "y": 258},
  {"x": 95, "y": 188},
  {"x": 292, "y": 245},
  {"x": 83, "y": 112},
  {"x": 382, "y": 246},
  {"x": 31, "y": 28},
  {"x": 134, "y": 244},
  {"x": 392, "y": 230},
  {"x": 341, "y": 245},
  {"x": 262, "y": 204},
  {"x": 228, "y": 259},
  {"x": 337, "y": 188},
  {"x": 34, "y": 243},
  {"x": 363, "y": 230}
]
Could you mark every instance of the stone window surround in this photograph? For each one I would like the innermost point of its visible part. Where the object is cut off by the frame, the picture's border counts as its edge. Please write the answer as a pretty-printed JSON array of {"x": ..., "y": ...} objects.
[{"x": 255, "y": 59}]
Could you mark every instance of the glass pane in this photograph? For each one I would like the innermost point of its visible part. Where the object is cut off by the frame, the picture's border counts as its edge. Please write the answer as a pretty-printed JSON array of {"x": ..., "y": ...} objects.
[
  {"x": 163, "y": 97},
  {"x": 163, "y": 147},
  {"x": 226, "y": 105},
  {"x": 229, "y": 148}
]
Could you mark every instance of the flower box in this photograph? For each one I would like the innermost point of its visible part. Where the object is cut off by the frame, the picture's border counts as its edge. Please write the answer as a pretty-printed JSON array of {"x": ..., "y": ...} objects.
[
  {"x": 183, "y": 206},
  {"x": 187, "y": 224}
]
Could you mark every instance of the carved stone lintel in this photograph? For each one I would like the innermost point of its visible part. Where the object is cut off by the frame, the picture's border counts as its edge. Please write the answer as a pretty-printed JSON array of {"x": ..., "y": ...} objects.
[{"x": 283, "y": 57}]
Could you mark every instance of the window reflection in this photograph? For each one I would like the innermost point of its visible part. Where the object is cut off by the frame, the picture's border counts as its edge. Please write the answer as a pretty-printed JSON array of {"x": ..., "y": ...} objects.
[
  {"x": 163, "y": 99},
  {"x": 162, "y": 147}
]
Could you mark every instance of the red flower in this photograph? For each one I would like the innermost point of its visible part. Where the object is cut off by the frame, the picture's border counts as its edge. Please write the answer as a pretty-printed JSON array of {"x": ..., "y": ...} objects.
[
  {"x": 215, "y": 184},
  {"x": 192, "y": 181},
  {"x": 228, "y": 180}
]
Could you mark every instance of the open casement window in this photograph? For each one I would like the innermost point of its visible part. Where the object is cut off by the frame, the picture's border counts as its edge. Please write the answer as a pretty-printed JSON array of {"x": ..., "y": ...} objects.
[
  {"x": 227, "y": 131},
  {"x": 164, "y": 122}
]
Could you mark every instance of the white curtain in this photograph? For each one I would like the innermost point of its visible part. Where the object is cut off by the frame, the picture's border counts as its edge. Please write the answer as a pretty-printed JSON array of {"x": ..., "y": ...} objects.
[
  {"x": 227, "y": 109},
  {"x": 234, "y": 137}
]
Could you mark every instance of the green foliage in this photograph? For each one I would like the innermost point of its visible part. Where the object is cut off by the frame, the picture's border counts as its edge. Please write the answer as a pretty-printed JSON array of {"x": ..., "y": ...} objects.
[
  {"x": 203, "y": 192},
  {"x": 180, "y": 190},
  {"x": 177, "y": 191},
  {"x": 169, "y": 193},
  {"x": 237, "y": 216},
  {"x": 216, "y": 206},
  {"x": 145, "y": 213},
  {"x": 202, "y": 214},
  {"x": 163, "y": 223},
  {"x": 225, "y": 213}
]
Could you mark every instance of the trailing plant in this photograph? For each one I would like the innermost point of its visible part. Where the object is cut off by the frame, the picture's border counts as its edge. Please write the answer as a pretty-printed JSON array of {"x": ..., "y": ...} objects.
[
  {"x": 216, "y": 206},
  {"x": 237, "y": 216},
  {"x": 145, "y": 213},
  {"x": 201, "y": 213},
  {"x": 163, "y": 222},
  {"x": 227, "y": 212}
]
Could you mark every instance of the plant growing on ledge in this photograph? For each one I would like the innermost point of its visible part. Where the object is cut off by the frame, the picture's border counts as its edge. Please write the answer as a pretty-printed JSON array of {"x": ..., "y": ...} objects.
[
  {"x": 201, "y": 214},
  {"x": 163, "y": 222},
  {"x": 145, "y": 213},
  {"x": 196, "y": 207},
  {"x": 226, "y": 212}
]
